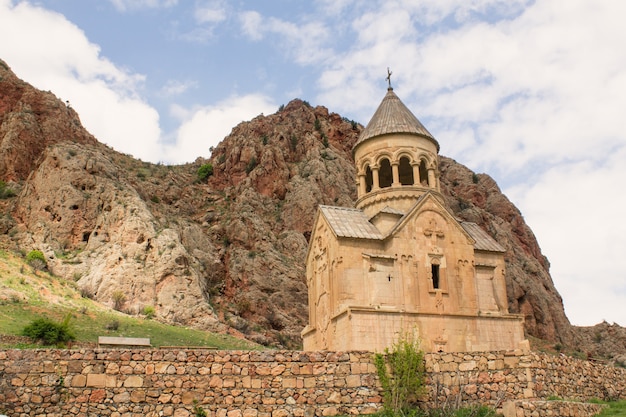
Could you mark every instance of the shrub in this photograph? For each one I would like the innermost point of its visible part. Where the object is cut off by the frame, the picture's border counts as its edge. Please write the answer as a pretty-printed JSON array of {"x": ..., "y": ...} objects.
[
  {"x": 325, "y": 140},
  {"x": 205, "y": 171},
  {"x": 5, "y": 191},
  {"x": 119, "y": 298},
  {"x": 197, "y": 410},
  {"x": 112, "y": 325},
  {"x": 87, "y": 292},
  {"x": 50, "y": 332},
  {"x": 401, "y": 374},
  {"x": 36, "y": 259},
  {"x": 149, "y": 312},
  {"x": 475, "y": 178},
  {"x": 251, "y": 165}
]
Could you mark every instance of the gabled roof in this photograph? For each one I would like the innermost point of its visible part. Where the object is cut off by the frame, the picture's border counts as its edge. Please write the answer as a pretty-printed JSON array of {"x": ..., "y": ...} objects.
[
  {"x": 392, "y": 116},
  {"x": 353, "y": 223},
  {"x": 350, "y": 222},
  {"x": 482, "y": 238}
]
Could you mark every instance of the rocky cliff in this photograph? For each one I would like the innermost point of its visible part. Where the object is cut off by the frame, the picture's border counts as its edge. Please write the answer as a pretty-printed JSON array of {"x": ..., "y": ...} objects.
[{"x": 225, "y": 254}]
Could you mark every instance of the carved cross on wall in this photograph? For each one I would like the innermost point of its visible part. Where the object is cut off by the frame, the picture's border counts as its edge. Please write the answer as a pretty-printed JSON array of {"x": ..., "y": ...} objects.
[{"x": 433, "y": 232}]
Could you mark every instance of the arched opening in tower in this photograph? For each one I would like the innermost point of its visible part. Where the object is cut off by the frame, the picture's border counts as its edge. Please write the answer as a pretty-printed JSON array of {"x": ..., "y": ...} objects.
[
  {"x": 423, "y": 174},
  {"x": 369, "y": 179},
  {"x": 385, "y": 176},
  {"x": 405, "y": 171}
]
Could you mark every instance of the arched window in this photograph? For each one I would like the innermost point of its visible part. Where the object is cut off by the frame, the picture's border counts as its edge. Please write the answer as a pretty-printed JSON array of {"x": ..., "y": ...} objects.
[
  {"x": 423, "y": 174},
  {"x": 385, "y": 177},
  {"x": 405, "y": 171},
  {"x": 369, "y": 179}
]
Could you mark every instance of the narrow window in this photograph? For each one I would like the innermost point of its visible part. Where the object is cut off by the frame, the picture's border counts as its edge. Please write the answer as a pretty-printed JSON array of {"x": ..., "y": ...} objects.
[
  {"x": 405, "y": 170},
  {"x": 435, "y": 272},
  {"x": 369, "y": 180},
  {"x": 385, "y": 177}
]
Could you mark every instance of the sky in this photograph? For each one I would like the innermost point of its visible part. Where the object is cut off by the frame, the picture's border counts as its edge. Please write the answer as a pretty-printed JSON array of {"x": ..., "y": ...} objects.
[{"x": 532, "y": 93}]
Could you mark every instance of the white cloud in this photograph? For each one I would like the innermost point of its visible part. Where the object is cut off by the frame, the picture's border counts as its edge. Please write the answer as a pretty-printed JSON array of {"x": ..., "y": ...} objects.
[
  {"x": 55, "y": 55},
  {"x": 207, "y": 126},
  {"x": 212, "y": 12},
  {"x": 576, "y": 211},
  {"x": 125, "y": 5},
  {"x": 177, "y": 87},
  {"x": 305, "y": 41},
  {"x": 251, "y": 23}
]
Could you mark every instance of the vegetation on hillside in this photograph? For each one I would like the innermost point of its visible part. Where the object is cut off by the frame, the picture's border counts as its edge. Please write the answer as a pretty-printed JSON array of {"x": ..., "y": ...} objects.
[
  {"x": 35, "y": 299},
  {"x": 614, "y": 409}
]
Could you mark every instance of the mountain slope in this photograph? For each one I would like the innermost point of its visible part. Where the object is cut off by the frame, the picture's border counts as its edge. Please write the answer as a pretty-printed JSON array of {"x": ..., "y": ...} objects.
[{"x": 227, "y": 254}]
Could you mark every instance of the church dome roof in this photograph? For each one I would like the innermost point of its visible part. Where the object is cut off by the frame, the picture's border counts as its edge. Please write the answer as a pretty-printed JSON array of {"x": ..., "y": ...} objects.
[{"x": 392, "y": 116}]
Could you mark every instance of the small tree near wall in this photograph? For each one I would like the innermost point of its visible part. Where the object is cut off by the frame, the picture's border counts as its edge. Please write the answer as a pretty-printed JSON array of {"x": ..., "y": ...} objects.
[{"x": 401, "y": 372}]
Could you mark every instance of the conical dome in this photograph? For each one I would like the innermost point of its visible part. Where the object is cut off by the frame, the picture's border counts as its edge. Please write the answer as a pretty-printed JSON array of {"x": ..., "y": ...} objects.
[{"x": 392, "y": 116}]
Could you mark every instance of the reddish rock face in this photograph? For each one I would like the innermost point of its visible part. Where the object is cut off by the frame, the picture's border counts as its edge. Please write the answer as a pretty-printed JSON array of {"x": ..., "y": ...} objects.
[
  {"x": 227, "y": 254},
  {"x": 30, "y": 121}
]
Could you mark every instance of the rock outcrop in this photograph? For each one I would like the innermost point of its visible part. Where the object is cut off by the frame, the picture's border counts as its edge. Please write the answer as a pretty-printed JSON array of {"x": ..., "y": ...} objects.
[{"x": 227, "y": 253}]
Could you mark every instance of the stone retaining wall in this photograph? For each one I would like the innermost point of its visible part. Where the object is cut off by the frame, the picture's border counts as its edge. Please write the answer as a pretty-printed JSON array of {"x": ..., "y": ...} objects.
[
  {"x": 514, "y": 381},
  {"x": 146, "y": 383},
  {"x": 152, "y": 382}
]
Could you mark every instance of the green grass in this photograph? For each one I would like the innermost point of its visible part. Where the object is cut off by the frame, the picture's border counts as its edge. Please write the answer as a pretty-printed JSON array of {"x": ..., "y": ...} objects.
[
  {"x": 26, "y": 295},
  {"x": 615, "y": 409}
]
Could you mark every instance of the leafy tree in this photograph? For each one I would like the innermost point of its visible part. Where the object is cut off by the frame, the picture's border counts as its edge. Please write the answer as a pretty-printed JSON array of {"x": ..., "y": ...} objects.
[
  {"x": 205, "y": 171},
  {"x": 401, "y": 373}
]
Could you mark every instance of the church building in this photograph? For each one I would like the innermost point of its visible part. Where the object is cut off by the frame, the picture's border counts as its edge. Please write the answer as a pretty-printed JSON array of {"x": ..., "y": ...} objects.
[{"x": 401, "y": 261}]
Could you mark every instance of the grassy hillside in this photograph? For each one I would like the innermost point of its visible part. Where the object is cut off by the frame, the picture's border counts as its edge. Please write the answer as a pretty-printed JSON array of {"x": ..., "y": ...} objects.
[{"x": 27, "y": 294}]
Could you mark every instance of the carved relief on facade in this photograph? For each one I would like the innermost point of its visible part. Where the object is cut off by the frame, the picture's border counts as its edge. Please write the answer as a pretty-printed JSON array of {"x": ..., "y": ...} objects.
[
  {"x": 465, "y": 285},
  {"x": 485, "y": 284}
]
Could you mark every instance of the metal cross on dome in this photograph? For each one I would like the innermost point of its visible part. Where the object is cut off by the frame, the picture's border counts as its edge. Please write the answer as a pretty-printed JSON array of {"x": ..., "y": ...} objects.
[{"x": 389, "y": 77}]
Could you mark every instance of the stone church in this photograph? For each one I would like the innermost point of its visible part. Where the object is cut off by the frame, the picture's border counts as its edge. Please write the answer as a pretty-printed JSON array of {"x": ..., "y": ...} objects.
[{"x": 401, "y": 261}]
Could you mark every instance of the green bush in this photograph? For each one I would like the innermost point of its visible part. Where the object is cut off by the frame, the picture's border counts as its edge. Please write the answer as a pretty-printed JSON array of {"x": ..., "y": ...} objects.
[
  {"x": 5, "y": 191},
  {"x": 119, "y": 298},
  {"x": 149, "y": 312},
  {"x": 36, "y": 259},
  {"x": 251, "y": 165},
  {"x": 401, "y": 374},
  {"x": 205, "y": 171},
  {"x": 50, "y": 332}
]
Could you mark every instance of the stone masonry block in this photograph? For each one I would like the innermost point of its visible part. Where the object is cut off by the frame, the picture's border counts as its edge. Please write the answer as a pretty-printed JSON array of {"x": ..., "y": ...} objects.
[{"x": 96, "y": 380}]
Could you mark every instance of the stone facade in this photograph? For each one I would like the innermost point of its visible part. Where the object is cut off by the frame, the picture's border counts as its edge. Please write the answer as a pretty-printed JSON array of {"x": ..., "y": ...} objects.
[
  {"x": 148, "y": 383},
  {"x": 400, "y": 261}
]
